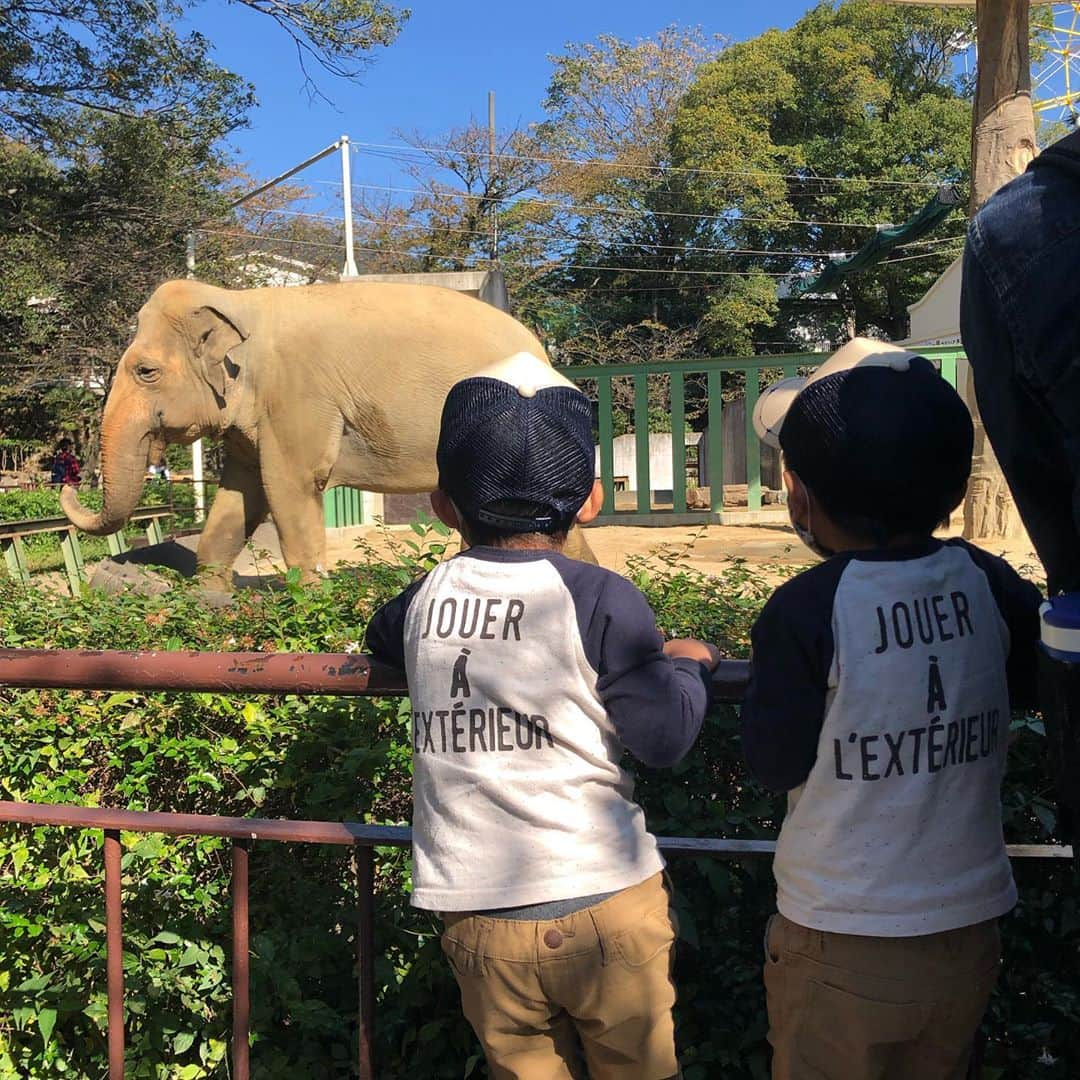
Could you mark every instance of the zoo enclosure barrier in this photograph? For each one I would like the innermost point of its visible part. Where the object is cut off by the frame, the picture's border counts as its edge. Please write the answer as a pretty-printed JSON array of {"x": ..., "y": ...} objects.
[
  {"x": 715, "y": 378},
  {"x": 13, "y": 532},
  {"x": 342, "y": 508},
  {"x": 269, "y": 673}
]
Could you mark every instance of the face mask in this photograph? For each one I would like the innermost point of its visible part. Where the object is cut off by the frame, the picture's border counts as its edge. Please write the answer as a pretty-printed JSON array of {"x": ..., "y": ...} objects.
[{"x": 806, "y": 534}]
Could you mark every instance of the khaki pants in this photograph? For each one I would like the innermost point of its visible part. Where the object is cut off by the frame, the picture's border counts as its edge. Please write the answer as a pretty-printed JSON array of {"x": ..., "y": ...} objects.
[
  {"x": 541, "y": 995},
  {"x": 844, "y": 1007}
]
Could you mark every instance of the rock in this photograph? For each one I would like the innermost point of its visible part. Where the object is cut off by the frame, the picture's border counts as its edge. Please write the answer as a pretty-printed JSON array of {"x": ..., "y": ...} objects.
[
  {"x": 133, "y": 571},
  {"x": 112, "y": 576},
  {"x": 735, "y": 495}
]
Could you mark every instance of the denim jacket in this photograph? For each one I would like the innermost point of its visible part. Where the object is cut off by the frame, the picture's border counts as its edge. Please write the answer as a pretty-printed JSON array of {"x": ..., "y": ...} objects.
[{"x": 1020, "y": 324}]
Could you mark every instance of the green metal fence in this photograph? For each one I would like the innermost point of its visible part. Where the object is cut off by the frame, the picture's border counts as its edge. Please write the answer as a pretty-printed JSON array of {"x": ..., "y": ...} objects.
[
  {"x": 713, "y": 378},
  {"x": 343, "y": 507}
]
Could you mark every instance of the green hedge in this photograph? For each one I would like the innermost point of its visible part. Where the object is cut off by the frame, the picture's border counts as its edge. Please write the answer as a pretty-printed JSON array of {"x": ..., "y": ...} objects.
[{"x": 341, "y": 759}]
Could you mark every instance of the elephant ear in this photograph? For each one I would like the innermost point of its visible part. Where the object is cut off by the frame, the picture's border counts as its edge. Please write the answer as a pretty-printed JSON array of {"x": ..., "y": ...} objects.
[{"x": 215, "y": 333}]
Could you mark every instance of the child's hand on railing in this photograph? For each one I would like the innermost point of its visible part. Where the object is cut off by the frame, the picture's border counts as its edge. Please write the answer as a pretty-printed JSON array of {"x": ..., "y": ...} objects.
[{"x": 692, "y": 649}]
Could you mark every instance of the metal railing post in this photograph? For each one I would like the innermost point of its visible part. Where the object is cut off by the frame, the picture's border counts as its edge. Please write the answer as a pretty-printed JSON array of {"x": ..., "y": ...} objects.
[
  {"x": 364, "y": 869},
  {"x": 114, "y": 955},
  {"x": 15, "y": 557},
  {"x": 715, "y": 439},
  {"x": 605, "y": 432},
  {"x": 678, "y": 443},
  {"x": 643, "y": 480},
  {"x": 73, "y": 559},
  {"x": 753, "y": 446},
  {"x": 241, "y": 979},
  {"x": 154, "y": 535}
]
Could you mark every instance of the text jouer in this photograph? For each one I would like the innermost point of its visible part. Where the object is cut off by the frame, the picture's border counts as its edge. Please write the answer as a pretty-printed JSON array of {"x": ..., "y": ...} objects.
[
  {"x": 927, "y": 619},
  {"x": 467, "y": 617}
]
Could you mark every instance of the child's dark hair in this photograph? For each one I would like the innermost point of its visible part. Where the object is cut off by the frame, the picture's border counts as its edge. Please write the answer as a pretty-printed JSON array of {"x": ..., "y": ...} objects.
[
  {"x": 920, "y": 519},
  {"x": 887, "y": 453}
]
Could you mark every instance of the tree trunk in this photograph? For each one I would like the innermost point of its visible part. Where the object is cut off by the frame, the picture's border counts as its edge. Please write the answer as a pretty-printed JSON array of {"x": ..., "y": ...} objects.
[{"x": 1002, "y": 146}]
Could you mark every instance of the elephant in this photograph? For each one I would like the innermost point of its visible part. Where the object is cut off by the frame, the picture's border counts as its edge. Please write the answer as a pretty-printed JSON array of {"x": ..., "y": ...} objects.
[{"x": 307, "y": 387}]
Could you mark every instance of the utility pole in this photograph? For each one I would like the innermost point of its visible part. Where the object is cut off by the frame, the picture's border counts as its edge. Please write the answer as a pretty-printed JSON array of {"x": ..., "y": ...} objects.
[
  {"x": 492, "y": 177},
  {"x": 349, "y": 270},
  {"x": 197, "y": 472}
]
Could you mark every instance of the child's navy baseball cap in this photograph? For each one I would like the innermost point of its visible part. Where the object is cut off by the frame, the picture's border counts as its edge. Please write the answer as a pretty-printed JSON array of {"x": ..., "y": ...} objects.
[
  {"x": 875, "y": 432},
  {"x": 516, "y": 447}
]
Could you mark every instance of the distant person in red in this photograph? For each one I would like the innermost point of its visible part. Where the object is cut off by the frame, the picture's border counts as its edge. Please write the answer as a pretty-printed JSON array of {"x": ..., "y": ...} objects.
[{"x": 65, "y": 469}]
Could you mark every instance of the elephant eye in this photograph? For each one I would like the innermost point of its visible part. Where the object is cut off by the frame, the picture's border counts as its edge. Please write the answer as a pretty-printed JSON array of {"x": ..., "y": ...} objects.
[{"x": 147, "y": 372}]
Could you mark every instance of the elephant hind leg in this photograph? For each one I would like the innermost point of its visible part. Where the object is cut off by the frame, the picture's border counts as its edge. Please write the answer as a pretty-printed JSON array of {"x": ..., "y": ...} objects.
[
  {"x": 239, "y": 508},
  {"x": 296, "y": 505}
]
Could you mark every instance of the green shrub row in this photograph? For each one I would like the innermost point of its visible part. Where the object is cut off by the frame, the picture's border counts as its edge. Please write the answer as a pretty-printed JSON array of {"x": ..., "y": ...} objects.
[{"x": 342, "y": 759}]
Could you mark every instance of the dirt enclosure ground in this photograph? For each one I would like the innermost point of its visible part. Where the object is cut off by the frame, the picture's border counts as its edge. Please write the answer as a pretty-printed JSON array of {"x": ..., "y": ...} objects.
[{"x": 707, "y": 548}]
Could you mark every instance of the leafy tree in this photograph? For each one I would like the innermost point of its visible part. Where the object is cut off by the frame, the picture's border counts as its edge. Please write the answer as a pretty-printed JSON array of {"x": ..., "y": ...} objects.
[
  {"x": 807, "y": 138},
  {"x": 111, "y": 119},
  {"x": 610, "y": 106},
  {"x": 90, "y": 241},
  {"x": 461, "y": 213},
  {"x": 130, "y": 58}
]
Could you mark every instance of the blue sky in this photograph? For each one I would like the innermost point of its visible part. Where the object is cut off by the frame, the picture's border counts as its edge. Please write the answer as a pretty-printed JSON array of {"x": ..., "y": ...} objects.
[{"x": 440, "y": 70}]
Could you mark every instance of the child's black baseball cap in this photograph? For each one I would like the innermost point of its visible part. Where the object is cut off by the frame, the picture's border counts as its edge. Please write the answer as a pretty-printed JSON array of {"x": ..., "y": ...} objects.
[
  {"x": 876, "y": 433},
  {"x": 516, "y": 447}
]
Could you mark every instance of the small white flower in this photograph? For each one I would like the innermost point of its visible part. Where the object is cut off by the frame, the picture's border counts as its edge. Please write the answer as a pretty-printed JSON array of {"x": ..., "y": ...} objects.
[
  {"x": 230, "y": 641},
  {"x": 1046, "y": 1058},
  {"x": 352, "y": 646}
]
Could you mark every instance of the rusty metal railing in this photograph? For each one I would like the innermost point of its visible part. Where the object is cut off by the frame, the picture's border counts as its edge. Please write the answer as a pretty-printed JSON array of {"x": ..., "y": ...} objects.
[
  {"x": 338, "y": 674},
  {"x": 263, "y": 673}
]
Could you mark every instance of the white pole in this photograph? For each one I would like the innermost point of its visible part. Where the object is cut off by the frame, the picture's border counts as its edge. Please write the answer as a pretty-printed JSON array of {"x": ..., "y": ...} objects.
[
  {"x": 491, "y": 179},
  {"x": 196, "y": 446},
  {"x": 349, "y": 270}
]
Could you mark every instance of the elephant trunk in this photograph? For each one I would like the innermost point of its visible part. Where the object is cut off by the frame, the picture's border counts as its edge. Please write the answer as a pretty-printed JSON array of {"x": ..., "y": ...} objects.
[{"x": 125, "y": 449}]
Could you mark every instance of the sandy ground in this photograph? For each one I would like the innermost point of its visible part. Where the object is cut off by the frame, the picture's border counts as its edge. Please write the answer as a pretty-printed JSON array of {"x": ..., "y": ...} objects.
[{"x": 708, "y": 547}]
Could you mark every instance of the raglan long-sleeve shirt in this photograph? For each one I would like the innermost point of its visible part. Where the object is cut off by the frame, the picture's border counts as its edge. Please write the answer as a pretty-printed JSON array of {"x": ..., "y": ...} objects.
[
  {"x": 879, "y": 701},
  {"x": 529, "y": 674}
]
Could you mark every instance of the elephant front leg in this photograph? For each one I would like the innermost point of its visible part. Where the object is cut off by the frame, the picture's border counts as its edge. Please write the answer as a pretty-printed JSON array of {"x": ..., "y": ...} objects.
[{"x": 239, "y": 508}]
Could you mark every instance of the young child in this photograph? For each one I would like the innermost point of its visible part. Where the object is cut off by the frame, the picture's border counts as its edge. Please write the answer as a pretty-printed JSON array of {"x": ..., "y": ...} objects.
[
  {"x": 879, "y": 701},
  {"x": 529, "y": 675}
]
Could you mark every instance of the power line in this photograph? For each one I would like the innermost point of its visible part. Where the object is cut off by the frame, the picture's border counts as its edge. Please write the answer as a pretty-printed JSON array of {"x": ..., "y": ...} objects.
[
  {"x": 412, "y": 162},
  {"x": 734, "y": 216},
  {"x": 409, "y": 163},
  {"x": 410, "y": 148},
  {"x": 662, "y": 272},
  {"x": 243, "y": 235},
  {"x": 639, "y": 245},
  {"x": 679, "y": 273},
  {"x": 704, "y": 286}
]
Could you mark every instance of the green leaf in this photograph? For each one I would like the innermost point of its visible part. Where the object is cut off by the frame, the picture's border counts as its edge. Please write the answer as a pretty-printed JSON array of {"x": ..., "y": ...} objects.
[
  {"x": 183, "y": 1042},
  {"x": 192, "y": 955},
  {"x": 98, "y": 1012},
  {"x": 121, "y": 697},
  {"x": 46, "y": 1021}
]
